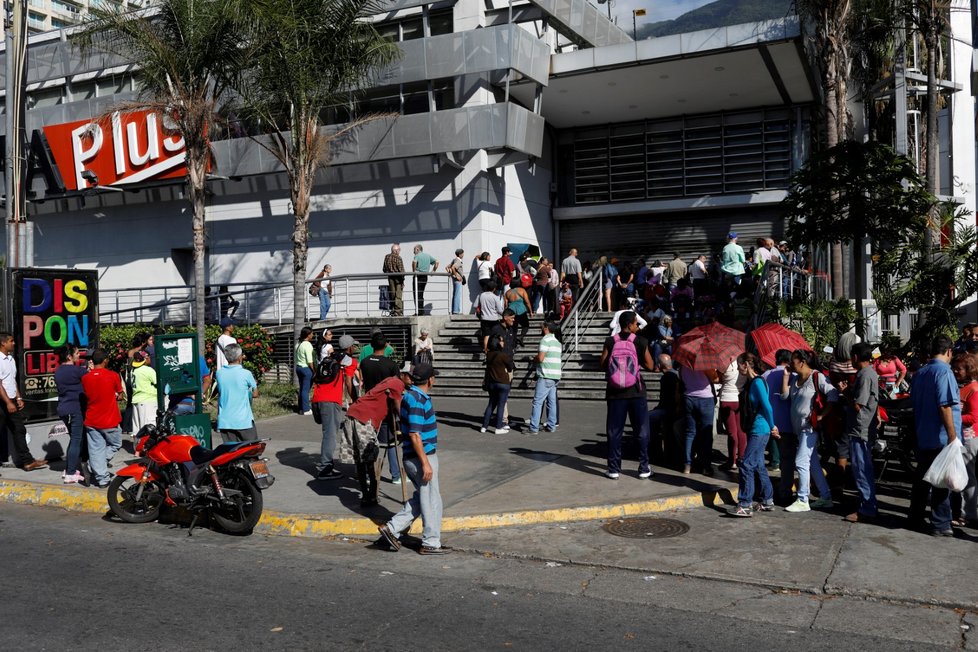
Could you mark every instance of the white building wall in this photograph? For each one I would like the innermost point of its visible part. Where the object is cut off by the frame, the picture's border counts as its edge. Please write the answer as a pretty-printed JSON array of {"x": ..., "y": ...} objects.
[{"x": 962, "y": 106}]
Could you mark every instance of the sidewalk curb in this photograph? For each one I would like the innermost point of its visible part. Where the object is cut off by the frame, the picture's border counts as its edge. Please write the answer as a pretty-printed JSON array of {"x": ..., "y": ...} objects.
[{"x": 89, "y": 500}]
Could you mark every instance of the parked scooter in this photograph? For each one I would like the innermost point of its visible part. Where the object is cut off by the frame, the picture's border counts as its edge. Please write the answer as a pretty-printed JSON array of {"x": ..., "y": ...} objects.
[{"x": 227, "y": 481}]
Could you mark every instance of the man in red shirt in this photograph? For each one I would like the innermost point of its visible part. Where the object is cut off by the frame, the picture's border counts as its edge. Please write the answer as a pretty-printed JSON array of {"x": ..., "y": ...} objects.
[
  {"x": 505, "y": 270},
  {"x": 103, "y": 388},
  {"x": 363, "y": 421}
]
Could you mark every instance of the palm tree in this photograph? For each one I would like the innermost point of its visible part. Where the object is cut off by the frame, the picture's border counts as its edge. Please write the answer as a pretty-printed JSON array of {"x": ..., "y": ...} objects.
[
  {"x": 313, "y": 54},
  {"x": 190, "y": 54}
]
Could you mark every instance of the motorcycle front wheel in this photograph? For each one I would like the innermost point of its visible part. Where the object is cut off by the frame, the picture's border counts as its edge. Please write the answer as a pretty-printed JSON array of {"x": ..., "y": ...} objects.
[
  {"x": 240, "y": 512},
  {"x": 131, "y": 505}
]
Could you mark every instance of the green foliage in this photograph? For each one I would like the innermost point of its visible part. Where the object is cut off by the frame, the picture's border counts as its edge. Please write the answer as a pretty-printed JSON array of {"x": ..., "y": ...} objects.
[
  {"x": 936, "y": 282},
  {"x": 822, "y": 323},
  {"x": 854, "y": 190},
  {"x": 255, "y": 341}
]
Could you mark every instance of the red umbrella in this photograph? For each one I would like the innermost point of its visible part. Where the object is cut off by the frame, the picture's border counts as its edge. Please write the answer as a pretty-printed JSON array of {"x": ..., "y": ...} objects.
[
  {"x": 713, "y": 346},
  {"x": 772, "y": 336}
]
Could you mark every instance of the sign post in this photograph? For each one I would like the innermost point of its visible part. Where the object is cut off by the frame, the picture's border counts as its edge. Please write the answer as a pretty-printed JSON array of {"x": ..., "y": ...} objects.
[
  {"x": 49, "y": 308},
  {"x": 178, "y": 372}
]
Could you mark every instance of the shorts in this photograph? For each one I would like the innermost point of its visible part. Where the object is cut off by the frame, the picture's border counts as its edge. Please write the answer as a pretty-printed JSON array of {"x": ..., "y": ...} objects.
[
  {"x": 487, "y": 327},
  {"x": 239, "y": 434}
]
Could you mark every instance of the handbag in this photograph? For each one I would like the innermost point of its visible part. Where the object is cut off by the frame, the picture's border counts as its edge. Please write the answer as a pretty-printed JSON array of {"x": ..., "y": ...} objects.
[{"x": 833, "y": 424}]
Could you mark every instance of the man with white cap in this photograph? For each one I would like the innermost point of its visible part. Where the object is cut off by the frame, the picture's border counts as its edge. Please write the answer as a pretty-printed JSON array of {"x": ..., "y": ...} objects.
[
  {"x": 732, "y": 259},
  {"x": 420, "y": 429}
]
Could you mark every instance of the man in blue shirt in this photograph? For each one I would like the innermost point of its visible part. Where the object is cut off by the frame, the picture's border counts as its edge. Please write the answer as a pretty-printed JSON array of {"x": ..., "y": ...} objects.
[
  {"x": 419, "y": 427},
  {"x": 937, "y": 413},
  {"x": 237, "y": 387}
]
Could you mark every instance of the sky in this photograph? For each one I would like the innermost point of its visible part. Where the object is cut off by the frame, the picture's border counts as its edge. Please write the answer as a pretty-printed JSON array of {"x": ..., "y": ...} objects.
[{"x": 656, "y": 10}]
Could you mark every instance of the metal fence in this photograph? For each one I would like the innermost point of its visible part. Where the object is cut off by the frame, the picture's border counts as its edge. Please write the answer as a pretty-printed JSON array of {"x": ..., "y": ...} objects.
[{"x": 354, "y": 295}]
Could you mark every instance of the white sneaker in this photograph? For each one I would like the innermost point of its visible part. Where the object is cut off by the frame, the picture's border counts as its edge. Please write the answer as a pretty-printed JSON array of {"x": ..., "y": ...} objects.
[
  {"x": 482, "y": 429},
  {"x": 74, "y": 478},
  {"x": 610, "y": 475},
  {"x": 502, "y": 431},
  {"x": 307, "y": 413},
  {"x": 645, "y": 474},
  {"x": 798, "y": 506}
]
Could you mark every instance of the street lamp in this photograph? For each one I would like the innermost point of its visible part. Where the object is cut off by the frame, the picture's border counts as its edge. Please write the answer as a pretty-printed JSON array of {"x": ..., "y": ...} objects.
[{"x": 635, "y": 14}]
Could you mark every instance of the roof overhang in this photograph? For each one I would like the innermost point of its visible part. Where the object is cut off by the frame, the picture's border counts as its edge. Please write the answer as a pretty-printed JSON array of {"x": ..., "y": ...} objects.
[{"x": 724, "y": 69}]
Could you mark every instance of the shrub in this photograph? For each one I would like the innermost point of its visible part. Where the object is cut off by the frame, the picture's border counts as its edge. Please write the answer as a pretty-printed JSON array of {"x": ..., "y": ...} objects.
[{"x": 255, "y": 341}]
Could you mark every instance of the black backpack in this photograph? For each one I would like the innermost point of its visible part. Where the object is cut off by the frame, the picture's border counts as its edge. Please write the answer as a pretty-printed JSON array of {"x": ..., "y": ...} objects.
[{"x": 329, "y": 368}]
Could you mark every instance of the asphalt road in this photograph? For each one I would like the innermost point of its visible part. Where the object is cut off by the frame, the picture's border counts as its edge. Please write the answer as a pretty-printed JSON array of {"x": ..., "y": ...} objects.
[{"x": 74, "y": 581}]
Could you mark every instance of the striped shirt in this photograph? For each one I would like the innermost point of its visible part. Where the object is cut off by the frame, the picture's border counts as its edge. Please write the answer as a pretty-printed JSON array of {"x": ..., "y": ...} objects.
[
  {"x": 418, "y": 415},
  {"x": 550, "y": 348}
]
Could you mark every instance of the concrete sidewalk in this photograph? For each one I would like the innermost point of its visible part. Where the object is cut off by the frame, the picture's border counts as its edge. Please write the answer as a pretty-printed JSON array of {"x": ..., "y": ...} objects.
[{"x": 486, "y": 480}]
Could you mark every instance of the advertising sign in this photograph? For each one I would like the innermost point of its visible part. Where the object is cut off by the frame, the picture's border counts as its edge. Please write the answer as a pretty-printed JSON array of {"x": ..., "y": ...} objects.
[
  {"x": 51, "y": 308},
  {"x": 178, "y": 372},
  {"x": 122, "y": 149}
]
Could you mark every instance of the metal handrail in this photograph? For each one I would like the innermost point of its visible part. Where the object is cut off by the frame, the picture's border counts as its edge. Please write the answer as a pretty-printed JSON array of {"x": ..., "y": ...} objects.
[
  {"x": 586, "y": 308},
  {"x": 352, "y": 304}
]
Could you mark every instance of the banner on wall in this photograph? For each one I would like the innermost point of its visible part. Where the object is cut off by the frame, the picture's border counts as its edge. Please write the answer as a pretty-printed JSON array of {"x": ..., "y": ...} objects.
[{"x": 49, "y": 308}]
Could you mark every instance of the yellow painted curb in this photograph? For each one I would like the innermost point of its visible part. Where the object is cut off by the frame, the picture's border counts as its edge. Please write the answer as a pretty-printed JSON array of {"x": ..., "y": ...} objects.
[{"x": 82, "y": 499}]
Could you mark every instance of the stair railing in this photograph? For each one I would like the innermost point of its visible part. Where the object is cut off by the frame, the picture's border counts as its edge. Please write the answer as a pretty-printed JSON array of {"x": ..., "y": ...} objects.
[{"x": 584, "y": 311}]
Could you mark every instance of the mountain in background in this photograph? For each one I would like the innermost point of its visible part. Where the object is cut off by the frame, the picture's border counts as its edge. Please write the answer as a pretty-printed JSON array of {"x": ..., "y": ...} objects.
[{"x": 719, "y": 14}]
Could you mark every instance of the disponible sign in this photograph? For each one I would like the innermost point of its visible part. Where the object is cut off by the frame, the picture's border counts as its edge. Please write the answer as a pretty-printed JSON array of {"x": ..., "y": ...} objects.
[
  {"x": 51, "y": 308},
  {"x": 121, "y": 149}
]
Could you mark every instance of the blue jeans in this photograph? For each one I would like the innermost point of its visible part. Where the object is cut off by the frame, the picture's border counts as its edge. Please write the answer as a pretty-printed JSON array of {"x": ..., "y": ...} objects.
[
  {"x": 658, "y": 349},
  {"x": 305, "y": 382},
  {"x": 324, "y": 303},
  {"x": 751, "y": 468},
  {"x": 384, "y": 437},
  {"x": 940, "y": 502},
  {"x": 457, "y": 297},
  {"x": 861, "y": 463},
  {"x": 75, "y": 423},
  {"x": 331, "y": 414},
  {"x": 810, "y": 466},
  {"x": 699, "y": 424},
  {"x": 546, "y": 390},
  {"x": 637, "y": 410},
  {"x": 498, "y": 395},
  {"x": 425, "y": 502},
  {"x": 103, "y": 444}
]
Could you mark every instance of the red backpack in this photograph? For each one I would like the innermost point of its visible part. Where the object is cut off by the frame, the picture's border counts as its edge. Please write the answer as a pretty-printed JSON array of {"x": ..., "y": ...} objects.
[{"x": 526, "y": 280}]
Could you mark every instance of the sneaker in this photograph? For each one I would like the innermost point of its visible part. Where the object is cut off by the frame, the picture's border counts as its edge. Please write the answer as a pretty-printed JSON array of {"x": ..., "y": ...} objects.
[
  {"x": 647, "y": 473},
  {"x": 821, "y": 503},
  {"x": 395, "y": 481},
  {"x": 550, "y": 428},
  {"x": 389, "y": 537},
  {"x": 741, "y": 512},
  {"x": 763, "y": 507},
  {"x": 482, "y": 430},
  {"x": 429, "y": 550},
  {"x": 307, "y": 413},
  {"x": 103, "y": 484},
  {"x": 611, "y": 475},
  {"x": 708, "y": 470},
  {"x": 328, "y": 473},
  {"x": 532, "y": 432},
  {"x": 502, "y": 431},
  {"x": 942, "y": 533},
  {"x": 74, "y": 478},
  {"x": 798, "y": 506},
  {"x": 687, "y": 469}
]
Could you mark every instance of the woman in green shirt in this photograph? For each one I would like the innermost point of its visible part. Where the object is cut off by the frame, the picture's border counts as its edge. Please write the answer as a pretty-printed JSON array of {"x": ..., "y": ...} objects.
[
  {"x": 143, "y": 391},
  {"x": 305, "y": 367}
]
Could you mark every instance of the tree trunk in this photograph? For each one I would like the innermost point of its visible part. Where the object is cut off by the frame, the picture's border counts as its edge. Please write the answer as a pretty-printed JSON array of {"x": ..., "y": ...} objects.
[
  {"x": 197, "y": 180},
  {"x": 832, "y": 137}
]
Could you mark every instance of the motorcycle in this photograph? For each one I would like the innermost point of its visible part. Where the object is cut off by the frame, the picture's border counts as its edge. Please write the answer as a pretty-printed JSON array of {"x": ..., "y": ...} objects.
[{"x": 226, "y": 482}]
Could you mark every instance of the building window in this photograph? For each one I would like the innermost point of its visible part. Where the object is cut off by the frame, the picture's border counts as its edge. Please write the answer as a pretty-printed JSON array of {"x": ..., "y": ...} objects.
[
  {"x": 443, "y": 91},
  {"x": 45, "y": 97},
  {"x": 57, "y": 23},
  {"x": 35, "y": 20},
  {"x": 440, "y": 22},
  {"x": 411, "y": 29},
  {"x": 112, "y": 85},
  {"x": 415, "y": 98},
  {"x": 65, "y": 7}
]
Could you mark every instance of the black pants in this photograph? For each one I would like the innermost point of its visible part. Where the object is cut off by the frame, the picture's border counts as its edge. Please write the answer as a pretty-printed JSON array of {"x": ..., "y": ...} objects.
[
  {"x": 15, "y": 422},
  {"x": 522, "y": 325},
  {"x": 422, "y": 281},
  {"x": 574, "y": 288}
]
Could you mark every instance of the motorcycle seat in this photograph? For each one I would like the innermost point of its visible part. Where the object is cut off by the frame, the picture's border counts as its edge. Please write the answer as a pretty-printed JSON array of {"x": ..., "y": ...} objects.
[{"x": 201, "y": 455}]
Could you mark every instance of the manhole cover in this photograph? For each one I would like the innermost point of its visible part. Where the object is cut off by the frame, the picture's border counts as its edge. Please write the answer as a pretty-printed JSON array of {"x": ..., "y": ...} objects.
[{"x": 646, "y": 528}]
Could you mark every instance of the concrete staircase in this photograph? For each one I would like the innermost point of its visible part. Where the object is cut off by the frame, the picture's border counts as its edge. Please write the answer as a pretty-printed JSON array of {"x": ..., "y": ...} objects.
[{"x": 459, "y": 360}]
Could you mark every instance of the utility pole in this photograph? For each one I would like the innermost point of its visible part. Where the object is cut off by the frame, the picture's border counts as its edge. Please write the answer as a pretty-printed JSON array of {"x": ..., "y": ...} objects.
[
  {"x": 20, "y": 243},
  {"x": 635, "y": 14}
]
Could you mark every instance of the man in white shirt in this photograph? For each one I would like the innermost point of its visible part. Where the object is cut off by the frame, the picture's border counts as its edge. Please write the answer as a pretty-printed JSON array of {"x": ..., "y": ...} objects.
[
  {"x": 570, "y": 271},
  {"x": 227, "y": 327},
  {"x": 698, "y": 273},
  {"x": 12, "y": 408}
]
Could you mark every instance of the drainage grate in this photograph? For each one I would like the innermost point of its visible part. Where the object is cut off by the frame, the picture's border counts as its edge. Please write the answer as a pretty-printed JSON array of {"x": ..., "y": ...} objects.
[{"x": 646, "y": 528}]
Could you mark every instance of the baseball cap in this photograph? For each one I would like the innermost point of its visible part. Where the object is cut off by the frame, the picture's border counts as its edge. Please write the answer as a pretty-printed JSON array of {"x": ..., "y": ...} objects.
[
  {"x": 346, "y": 341},
  {"x": 731, "y": 235},
  {"x": 227, "y": 321},
  {"x": 422, "y": 372},
  {"x": 783, "y": 242}
]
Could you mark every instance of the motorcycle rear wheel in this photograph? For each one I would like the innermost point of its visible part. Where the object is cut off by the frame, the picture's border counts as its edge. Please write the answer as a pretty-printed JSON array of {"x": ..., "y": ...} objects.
[
  {"x": 250, "y": 499},
  {"x": 122, "y": 500}
]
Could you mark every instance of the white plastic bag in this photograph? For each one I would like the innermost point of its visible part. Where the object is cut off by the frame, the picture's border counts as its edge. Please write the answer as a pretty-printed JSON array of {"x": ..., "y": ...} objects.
[{"x": 948, "y": 470}]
